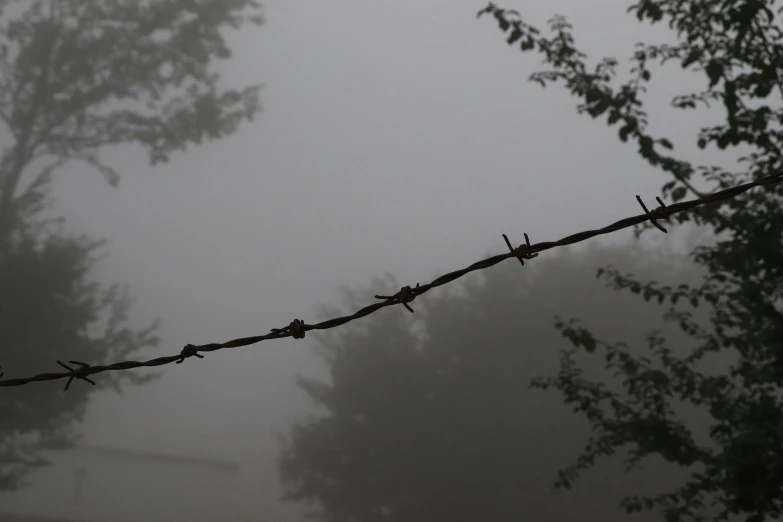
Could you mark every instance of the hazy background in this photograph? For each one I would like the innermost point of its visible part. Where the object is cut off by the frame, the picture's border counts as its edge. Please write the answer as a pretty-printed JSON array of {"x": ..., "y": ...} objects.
[{"x": 397, "y": 136}]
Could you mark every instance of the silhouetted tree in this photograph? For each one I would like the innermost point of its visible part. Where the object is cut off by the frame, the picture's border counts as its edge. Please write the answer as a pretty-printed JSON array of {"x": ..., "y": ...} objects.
[
  {"x": 77, "y": 77},
  {"x": 428, "y": 416},
  {"x": 50, "y": 309},
  {"x": 735, "y": 466},
  {"x": 80, "y": 76}
]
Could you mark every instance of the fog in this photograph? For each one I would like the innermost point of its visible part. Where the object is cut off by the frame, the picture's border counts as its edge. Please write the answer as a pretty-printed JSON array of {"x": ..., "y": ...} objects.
[{"x": 396, "y": 137}]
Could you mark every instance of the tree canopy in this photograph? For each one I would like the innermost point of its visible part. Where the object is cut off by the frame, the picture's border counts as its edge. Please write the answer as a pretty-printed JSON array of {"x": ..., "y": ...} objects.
[
  {"x": 735, "y": 468},
  {"x": 77, "y": 77},
  {"x": 428, "y": 416},
  {"x": 51, "y": 310}
]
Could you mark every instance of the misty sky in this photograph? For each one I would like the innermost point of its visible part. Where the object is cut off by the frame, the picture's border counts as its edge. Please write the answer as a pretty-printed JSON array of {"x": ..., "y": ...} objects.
[{"x": 398, "y": 136}]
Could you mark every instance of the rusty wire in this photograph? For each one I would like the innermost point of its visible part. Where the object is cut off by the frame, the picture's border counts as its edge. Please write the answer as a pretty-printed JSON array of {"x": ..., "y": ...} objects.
[{"x": 297, "y": 328}]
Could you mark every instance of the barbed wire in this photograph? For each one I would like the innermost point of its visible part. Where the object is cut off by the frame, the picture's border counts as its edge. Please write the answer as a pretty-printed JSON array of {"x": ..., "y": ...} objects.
[{"x": 406, "y": 295}]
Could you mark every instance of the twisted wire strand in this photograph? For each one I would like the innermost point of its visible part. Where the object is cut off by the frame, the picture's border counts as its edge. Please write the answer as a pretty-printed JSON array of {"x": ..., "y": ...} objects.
[{"x": 406, "y": 295}]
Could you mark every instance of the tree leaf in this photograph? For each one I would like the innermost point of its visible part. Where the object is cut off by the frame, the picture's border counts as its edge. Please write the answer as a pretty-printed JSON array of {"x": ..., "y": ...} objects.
[{"x": 714, "y": 72}]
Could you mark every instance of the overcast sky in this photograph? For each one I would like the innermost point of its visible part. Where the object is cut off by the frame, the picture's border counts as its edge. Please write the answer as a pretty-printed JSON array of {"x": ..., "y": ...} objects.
[{"x": 397, "y": 135}]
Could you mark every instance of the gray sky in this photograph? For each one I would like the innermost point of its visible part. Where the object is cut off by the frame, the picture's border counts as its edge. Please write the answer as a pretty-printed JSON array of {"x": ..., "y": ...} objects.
[{"x": 397, "y": 136}]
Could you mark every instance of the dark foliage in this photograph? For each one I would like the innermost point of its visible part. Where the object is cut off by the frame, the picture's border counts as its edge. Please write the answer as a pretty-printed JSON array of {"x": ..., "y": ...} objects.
[
  {"x": 428, "y": 416},
  {"x": 52, "y": 310},
  {"x": 736, "y": 468}
]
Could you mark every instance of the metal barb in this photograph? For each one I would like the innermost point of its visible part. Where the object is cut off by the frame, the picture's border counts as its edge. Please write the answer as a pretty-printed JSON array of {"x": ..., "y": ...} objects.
[
  {"x": 76, "y": 373},
  {"x": 520, "y": 250},
  {"x": 655, "y": 213},
  {"x": 296, "y": 329},
  {"x": 190, "y": 350},
  {"x": 404, "y": 296}
]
